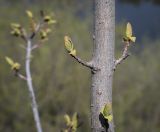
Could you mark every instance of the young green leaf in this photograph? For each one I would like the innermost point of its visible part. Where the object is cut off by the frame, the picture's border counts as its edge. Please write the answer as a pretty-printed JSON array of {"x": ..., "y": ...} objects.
[
  {"x": 129, "y": 33},
  {"x": 16, "y": 32},
  {"x": 67, "y": 119},
  {"x": 9, "y": 61},
  {"x": 73, "y": 52},
  {"x": 109, "y": 118},
  {"x": 106, "y": 112},
  {"x": 15, "y": 25},
  {"x": 68, "y": 43},
  {"x": 69, "y": 46},
  {"x": 48, "y": 19},
  {"x": 43, "y": 34},
  {"x": 31, "y": 20},
  {"x": 29, "y": 14},
  {"x": 74, "y": 122},
  {"x": 71, "y": 122},
  {"x": 128, "y": 30},
  {"x": 14, "y": 65},
  {"x": 16, "y": 29}
]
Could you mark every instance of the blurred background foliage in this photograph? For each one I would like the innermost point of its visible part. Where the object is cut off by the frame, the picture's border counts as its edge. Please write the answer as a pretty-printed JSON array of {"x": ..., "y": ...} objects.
[{"x": 63, "y": 86}]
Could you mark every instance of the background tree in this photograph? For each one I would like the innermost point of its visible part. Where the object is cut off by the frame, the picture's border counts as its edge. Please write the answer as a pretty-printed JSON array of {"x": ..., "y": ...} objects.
[{"x": 36, "y": 28}]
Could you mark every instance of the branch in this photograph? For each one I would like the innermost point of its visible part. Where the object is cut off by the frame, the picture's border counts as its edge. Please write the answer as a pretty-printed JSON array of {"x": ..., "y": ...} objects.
[
  {"x": 124, "y": 56},
  {"x": 20, "y": 76},
  {"x": 86, "y": 64},
  {"x": 24, "y": 34},
  {"x": 36, "y": 46},
  {"x": 36, "y": 30},
  {"x": 30, "y": 86}
]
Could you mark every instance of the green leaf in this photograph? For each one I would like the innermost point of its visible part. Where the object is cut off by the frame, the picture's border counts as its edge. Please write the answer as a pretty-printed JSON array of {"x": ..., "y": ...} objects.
[
  {"x": 132, "y": 39},
  {"x": 68, "y": 43},
  {"x": 16, "y": 29},
  {"x": 49, "y": 20},
  {"x": 43, "y": 34},
  {"x": 69, "y": 46},
  {"x": 128, "y": 30},
  {"x": 9, "y": 61},
  {"x": 129, "y": 35},
  {"x": 14, "y": 65},
  {"x": 74, "y": 122},
  {"x": 15, "y": 25},
  {"x": 16, "y": 32},
  {"x": 109, "y": 118},
  {"x": 29, "y": 14},
  {"x": 73, "y": 52},
  {"x": 106, "y": 112},
  {"x": 67, "y": 119}
]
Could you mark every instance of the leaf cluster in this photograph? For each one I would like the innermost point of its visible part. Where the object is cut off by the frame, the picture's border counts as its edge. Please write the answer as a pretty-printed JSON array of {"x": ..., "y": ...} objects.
[{"x": 71, "y": 123}]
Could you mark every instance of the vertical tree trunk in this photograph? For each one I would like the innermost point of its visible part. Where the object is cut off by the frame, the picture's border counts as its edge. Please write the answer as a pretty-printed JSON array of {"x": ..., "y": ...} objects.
[{"x": 103, "y": 58}]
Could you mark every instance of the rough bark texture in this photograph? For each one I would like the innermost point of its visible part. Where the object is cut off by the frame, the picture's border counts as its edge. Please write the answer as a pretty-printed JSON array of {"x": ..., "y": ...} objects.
[{"x": 103, "y": 58}]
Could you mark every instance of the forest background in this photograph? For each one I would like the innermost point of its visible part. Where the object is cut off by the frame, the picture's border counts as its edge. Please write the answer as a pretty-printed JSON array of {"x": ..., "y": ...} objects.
[{"x": 62, "y": 86}]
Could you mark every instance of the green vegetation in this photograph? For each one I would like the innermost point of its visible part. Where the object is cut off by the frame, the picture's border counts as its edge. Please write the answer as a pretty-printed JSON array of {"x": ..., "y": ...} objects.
[{"x": 62, "y": 85}]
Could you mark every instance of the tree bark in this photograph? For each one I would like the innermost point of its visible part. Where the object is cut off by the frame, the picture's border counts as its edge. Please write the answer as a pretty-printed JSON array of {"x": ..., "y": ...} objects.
[{"x": 103, "y": 58}]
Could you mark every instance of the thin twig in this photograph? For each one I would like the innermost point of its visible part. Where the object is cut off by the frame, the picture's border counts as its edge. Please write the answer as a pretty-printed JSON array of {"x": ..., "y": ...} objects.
[
  {"x": 18, "y": 74},
  {"x": 36, "y": 46},
  {"x": 23, "y": 34},
  {"x": 84, "y": 63},
  {"x": 30, "y": 87},
  {"x": 124, "y": 56},
  {"x": 36, "y": 30},
  {"x": 21, "y": 76}
]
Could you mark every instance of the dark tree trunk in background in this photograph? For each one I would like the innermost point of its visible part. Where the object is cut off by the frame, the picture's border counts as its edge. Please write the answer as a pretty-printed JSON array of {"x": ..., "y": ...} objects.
[{"x": 103, "y": 58}]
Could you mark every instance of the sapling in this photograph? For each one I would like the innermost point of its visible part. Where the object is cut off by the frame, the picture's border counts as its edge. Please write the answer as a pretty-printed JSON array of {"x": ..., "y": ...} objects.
[{"x": 40, "y": 29}]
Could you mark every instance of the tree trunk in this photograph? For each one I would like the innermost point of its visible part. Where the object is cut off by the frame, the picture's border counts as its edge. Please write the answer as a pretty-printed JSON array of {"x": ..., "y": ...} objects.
[{"x": 103, "y": 58}]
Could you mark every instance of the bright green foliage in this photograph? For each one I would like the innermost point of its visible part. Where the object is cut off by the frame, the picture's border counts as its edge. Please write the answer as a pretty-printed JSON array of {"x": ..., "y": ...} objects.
[
  {"x": 16, "y": 29},
  {"x": 67, "y": 119},
  {"x": 69, "y": 46},
  {"x": 14, "y": 65},
  {"x": 49, "y": 20},
  {"x": 15, "y": 25},
  {"x": 129, "y": 35},
  {"x": 44, "y": 33},
  {"x": 106, "y": 112},
  {"x": 29, "y": 14},
  {"x": 74, "y": 122},
  {"x": 71, "y": 123},
  {"x": 31, "y": 20}
]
